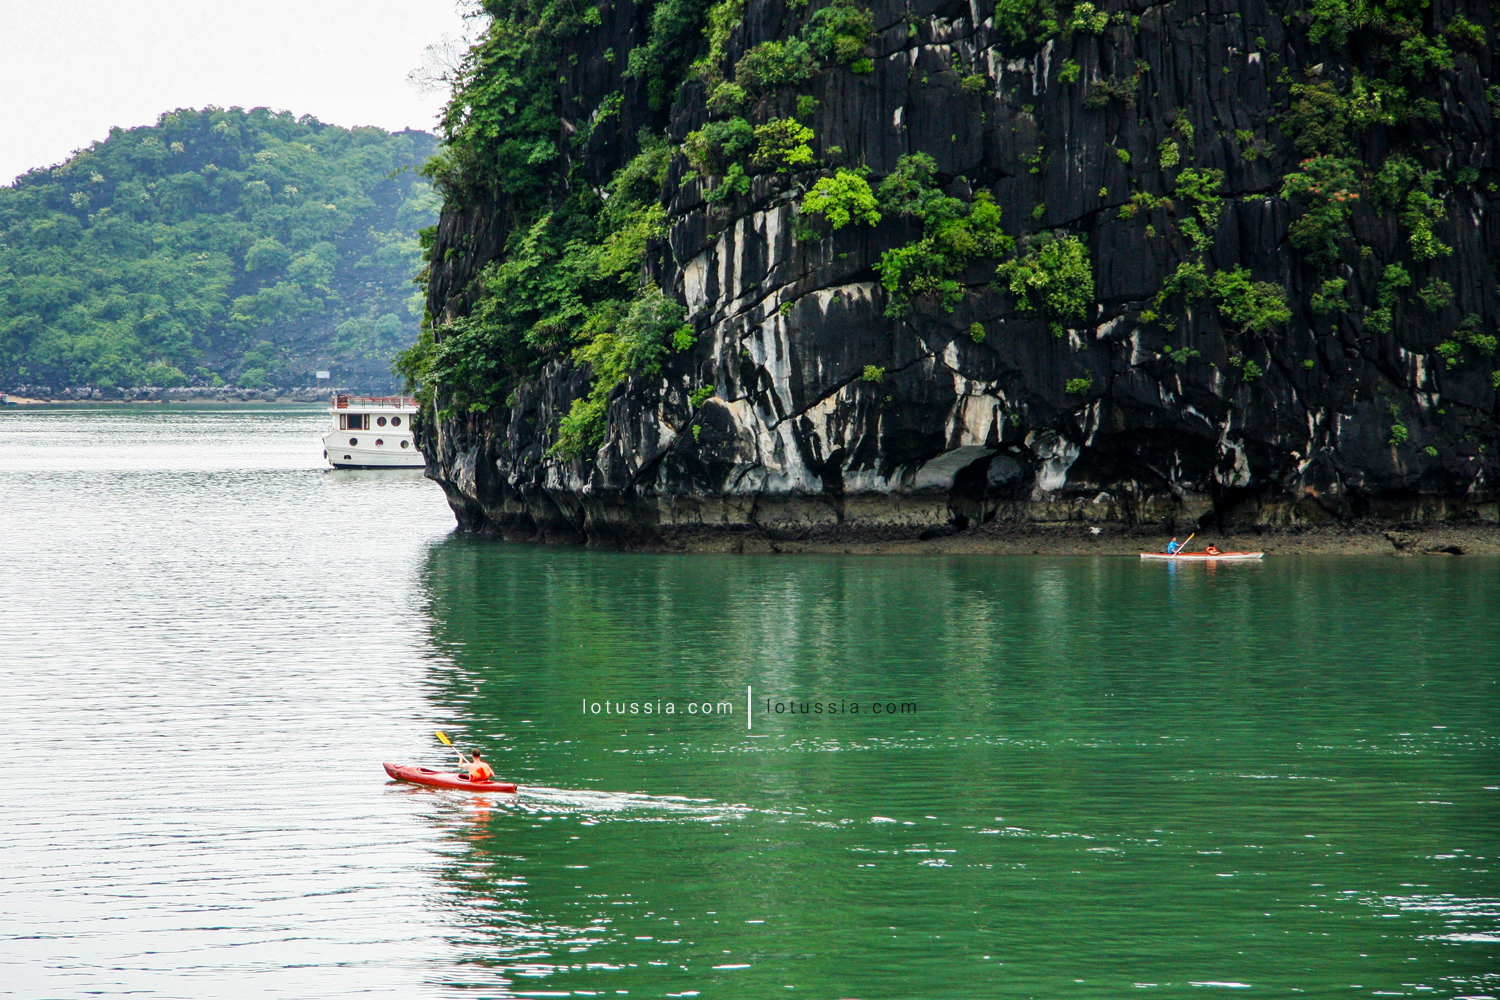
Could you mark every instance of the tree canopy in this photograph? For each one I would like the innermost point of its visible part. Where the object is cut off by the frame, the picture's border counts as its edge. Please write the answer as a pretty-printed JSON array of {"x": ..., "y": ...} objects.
[{"x": 247, "y": 247}]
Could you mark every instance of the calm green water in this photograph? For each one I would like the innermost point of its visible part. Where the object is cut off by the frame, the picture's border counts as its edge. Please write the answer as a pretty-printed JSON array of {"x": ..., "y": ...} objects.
[{"x": 1107, "y": 777}]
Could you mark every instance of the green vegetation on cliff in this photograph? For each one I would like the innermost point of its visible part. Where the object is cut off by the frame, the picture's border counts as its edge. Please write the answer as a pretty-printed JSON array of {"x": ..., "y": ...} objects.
[
  {"x": 572, "y": 282},
  {"x": 248, "y": 247},
  {"x": 563, "y": 124},
  {"x": 568, "y": 284}
]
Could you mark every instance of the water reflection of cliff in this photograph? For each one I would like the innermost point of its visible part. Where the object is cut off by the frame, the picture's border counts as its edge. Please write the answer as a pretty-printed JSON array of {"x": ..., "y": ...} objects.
[{"x": 1088, "y": 733}]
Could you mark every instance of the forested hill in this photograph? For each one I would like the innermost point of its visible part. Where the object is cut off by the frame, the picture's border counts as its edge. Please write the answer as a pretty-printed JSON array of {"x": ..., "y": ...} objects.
[{"x": 216, "y": 246}]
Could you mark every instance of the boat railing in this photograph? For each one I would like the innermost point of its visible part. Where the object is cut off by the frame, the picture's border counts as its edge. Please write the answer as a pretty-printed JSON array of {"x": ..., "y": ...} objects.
[{"x": 344, "y": 401}]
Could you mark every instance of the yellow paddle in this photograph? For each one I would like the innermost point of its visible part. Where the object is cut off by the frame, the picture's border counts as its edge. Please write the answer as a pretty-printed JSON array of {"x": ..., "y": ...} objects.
[
  {"x": 443, "y": 737},
  {"x": 1174, "y": 555}
]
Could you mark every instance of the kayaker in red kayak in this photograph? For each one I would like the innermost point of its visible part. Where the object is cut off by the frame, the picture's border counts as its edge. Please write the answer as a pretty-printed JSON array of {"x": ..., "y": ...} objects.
[{"x": 478, "y": 769}]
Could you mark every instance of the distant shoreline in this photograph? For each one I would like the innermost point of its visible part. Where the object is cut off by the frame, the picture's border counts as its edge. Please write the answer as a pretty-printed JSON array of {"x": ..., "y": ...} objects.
[
  {"x": 41, "y": 395},
  {"x": 29, "y": 404}
]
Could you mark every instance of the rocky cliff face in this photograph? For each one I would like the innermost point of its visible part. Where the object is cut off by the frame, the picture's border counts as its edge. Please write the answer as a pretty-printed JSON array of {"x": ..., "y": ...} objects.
[{"x": 802, "y": 409}]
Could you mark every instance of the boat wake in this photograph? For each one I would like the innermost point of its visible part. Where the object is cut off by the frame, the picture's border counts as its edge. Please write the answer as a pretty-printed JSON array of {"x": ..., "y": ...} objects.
[{"x": 615, "y": 806}]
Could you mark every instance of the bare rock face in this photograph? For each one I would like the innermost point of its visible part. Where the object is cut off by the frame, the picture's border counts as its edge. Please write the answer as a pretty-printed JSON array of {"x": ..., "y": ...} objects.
[{"x": 830, "y": 420}]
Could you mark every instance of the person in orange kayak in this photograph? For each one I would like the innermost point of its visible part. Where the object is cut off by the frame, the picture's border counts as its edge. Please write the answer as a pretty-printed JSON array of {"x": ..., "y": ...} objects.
[{"x": 478, "y": 769}]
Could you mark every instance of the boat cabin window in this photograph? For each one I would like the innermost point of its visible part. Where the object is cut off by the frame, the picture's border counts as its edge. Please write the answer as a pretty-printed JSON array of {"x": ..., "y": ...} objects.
[
  {"x": 395, "y": 421},
  {"x": 354, "y": 421},
  {"x": 380, "y": 421}
]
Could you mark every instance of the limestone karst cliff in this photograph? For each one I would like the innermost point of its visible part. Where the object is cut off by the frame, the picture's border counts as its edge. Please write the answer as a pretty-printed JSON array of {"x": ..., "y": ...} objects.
[{"x": 834, "y": 271}]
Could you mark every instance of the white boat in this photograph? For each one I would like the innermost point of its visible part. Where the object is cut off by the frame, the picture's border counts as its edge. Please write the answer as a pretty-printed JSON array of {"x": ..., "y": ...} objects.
[
  {"x": 372, "y": 432},
  {"x": 1202, "y": 556}
]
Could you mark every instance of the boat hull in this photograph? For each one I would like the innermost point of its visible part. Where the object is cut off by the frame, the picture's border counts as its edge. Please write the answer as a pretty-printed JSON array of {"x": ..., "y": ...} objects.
[
  {"x": 343, "y": 455},
  {"x": 433, "y": 778},
  {"x": 1203, "y": 556}
]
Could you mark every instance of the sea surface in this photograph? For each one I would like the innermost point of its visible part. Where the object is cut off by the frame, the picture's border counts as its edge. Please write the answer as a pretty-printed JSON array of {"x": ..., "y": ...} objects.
[{"x": 1065, "y": 778}]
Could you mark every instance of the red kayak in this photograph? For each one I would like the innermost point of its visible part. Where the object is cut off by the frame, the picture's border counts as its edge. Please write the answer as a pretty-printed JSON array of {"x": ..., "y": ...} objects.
[{"x": 434, "y": 778}]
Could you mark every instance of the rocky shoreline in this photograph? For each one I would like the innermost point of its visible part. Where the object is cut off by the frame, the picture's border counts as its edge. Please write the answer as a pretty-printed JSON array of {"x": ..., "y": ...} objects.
[{"x": 1364, "y": 539}]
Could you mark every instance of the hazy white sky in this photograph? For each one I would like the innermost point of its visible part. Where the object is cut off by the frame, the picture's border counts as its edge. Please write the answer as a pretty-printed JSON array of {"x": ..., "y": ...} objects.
[{"x": 70, "y": 69}]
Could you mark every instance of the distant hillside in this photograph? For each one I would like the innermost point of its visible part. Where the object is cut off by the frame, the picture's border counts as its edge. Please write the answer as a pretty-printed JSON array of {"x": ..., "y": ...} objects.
[{"x": 247, "y": 247}]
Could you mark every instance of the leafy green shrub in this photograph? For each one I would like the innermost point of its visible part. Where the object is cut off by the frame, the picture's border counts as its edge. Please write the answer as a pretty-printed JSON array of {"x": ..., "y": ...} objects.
[
  {"x": 701, "y": 395},
  {"x": 1376, "y": 101},
  {"x": 1183, "y": 126},
  {"x": 952, "y": 235},
  {"x": 1335, "y": 20},
  {"x": 976, "y": 332},
  {"x": 873, "y": 373},
  {"x": 1259, "y": 306},
  {"x": 1052, "y": 276},
  {"x": 975, "y": 83},
  {"x": 841, "y": 199},
  {"x": 1436, "y": 294},
  {"x": 1069, "y": 72},
  {"x": 1087, "y": 19},
  {"x": 727, "y": 99},
  {"x": 1419, "y": 55},
  {"x": 1201, "y": 187},
  {"x": 1470, "y": 332},
  {"x": 1079, "y": 386},
  {"x": 1379, "y": 320},
  {"x": 713, "y": 147},
  {"x": 1399, "y": 434},
  {"x": 1123, "y": 155},
  {"x": 723, "y": 17},
  {"x": 1330, "y": 296},
  {"x": 840, "y": 32},
  {"x": 1168, "y": 154},
  {"x": 776, "y": 63},
  {"x": 1143, "y": 201},
  {"x": 1403, "y": 185},
  {"x": 1319, "y": 119},
  {"x": 1465, "y": 33},
  {"x": 1250, "y": 371},
  {"x": 807, "y": 105},
  {"x": 1327, "y": 182},
  {"x": 1394, "y": 278},
  {"x": 782, "y": 143},
  {"x": 674, "y": 39},
  {"x": 734, "y": 184},
  {"x": 637, "y": 343},
  {"x": 1105, "y": 91},
  {"x": 1189, "y": 280}
]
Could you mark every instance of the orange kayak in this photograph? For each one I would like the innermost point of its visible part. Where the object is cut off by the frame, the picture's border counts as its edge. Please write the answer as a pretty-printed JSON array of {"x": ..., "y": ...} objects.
[
  {"x": 434, "y": 778},
  {"x": 1202, "y": 556}
]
